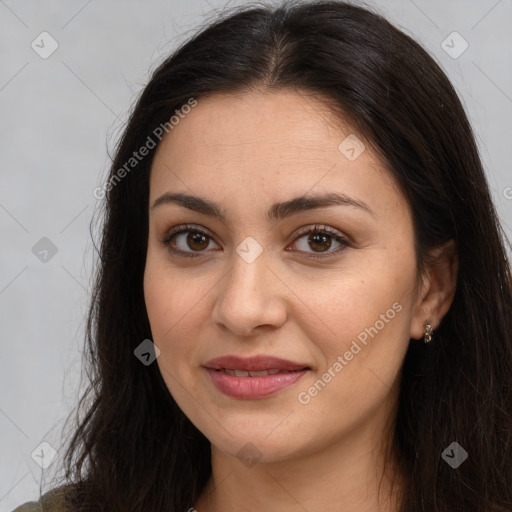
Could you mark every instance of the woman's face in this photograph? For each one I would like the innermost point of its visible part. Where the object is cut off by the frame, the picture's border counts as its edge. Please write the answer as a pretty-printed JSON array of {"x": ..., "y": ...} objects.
[{"x": 338, "y": 304}]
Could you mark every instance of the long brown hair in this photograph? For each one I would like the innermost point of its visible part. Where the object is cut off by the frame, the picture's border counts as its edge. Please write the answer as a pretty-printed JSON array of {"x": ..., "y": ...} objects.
[{"x": 133, "y": 448}]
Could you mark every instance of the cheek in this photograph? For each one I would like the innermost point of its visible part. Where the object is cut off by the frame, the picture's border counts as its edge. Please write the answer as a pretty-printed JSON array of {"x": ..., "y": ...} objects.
[
  {"x": 360, "y": 345},
  {"x": 362, "y": 316},
  {"x": 176, "y": 310},
  {"x": 172, "y": 300}
]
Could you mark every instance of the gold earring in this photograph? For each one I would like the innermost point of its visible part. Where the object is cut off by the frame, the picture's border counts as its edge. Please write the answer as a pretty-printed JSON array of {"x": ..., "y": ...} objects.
[{"x": 428, "y": 333}]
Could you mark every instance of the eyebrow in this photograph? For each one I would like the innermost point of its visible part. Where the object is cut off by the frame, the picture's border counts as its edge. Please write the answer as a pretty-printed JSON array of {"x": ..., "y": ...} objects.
[{"x": 276, "y": 212}]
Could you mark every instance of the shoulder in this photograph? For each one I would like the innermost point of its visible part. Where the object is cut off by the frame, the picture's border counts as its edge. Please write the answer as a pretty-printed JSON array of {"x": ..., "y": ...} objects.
[
  {"x": 30, "y": 506},
  {"x": 52, "y": 501}
]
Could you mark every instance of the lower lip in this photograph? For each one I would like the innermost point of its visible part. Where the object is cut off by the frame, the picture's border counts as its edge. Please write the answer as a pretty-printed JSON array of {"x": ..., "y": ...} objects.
[{"x": 250, "y": 388}]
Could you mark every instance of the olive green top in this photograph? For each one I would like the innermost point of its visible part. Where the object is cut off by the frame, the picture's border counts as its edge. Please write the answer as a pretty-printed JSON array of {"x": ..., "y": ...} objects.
[
  {"x": 52, "y": 501},
  {"x": 30, "y": 506}
]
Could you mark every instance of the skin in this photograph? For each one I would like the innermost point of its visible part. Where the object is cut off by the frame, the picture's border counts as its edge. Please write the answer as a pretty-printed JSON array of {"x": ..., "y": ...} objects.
[{"x": 246, "y": 152}]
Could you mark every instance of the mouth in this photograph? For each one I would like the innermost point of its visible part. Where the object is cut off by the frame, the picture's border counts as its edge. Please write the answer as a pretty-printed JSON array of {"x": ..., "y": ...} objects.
[{"x": 255, "y": 377}]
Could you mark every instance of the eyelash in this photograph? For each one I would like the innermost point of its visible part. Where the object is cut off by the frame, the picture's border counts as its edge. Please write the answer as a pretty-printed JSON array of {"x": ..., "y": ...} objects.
[{"x": 317, "y": 229}]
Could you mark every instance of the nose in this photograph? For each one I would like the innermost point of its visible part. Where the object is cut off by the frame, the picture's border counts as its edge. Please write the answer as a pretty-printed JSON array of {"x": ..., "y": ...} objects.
[{"x": 250, "y": 297}]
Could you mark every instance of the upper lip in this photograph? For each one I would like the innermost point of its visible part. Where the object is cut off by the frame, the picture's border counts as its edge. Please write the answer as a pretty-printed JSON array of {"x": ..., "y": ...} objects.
[{"x": 255, "y": 363}]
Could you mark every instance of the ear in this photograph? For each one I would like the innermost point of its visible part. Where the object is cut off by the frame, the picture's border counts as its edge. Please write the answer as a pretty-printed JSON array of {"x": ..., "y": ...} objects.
[{"x": 437, "y": 290}]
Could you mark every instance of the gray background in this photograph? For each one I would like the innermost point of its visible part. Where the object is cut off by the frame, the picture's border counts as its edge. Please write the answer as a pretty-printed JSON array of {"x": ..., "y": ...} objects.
[{"x": 59, "y": 116}]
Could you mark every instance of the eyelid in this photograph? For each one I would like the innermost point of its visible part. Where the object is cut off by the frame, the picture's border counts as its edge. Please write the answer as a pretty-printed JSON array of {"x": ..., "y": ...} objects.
[
  {"x": 320, "y": 228},
  {"x": 183, "y": 228}
]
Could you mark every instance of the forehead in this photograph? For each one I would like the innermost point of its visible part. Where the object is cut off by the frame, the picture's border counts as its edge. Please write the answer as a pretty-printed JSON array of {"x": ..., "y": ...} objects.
[
  {"x": 271, "y": 142},
  {"x": 238, "y": 124}
]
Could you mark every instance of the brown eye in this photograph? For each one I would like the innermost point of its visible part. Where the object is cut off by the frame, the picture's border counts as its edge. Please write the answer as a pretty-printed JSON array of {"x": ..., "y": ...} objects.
[
  {"x": 187, "y": 240},
  {"x": 319, "y": 242},
  {"x": 190, "y": 241},
  {"x": 197, "y": 241}
]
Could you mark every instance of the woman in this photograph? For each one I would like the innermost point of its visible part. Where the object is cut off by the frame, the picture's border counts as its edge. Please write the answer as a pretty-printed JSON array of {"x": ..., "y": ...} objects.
[{"x": 304, "y": 299}]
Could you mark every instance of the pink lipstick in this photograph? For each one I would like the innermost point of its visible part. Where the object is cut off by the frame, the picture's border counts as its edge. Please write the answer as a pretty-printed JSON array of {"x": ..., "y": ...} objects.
[{"x": 254, "y": 377}]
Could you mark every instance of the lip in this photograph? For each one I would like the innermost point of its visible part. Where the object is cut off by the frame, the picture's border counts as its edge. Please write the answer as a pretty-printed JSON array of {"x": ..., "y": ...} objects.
[
  {"x": 254, "y": 387},
  {"x": 254, "y": 363}
]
